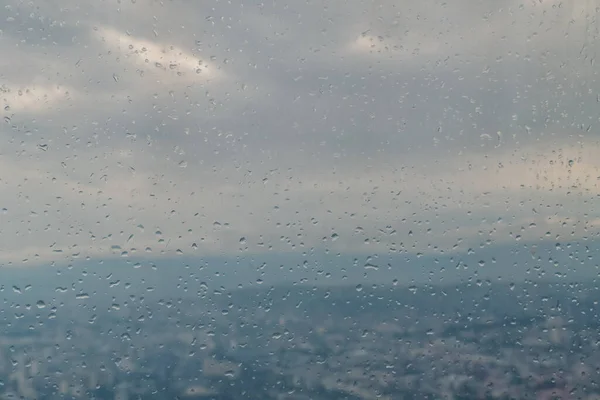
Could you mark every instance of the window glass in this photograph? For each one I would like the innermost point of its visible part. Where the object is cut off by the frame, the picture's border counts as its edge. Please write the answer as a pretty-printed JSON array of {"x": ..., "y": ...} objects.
[{"x": 299, "y": 199}]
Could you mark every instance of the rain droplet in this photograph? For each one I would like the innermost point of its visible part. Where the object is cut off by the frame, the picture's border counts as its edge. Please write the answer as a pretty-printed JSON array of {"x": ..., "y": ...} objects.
[{"x": 229, "y": 374}]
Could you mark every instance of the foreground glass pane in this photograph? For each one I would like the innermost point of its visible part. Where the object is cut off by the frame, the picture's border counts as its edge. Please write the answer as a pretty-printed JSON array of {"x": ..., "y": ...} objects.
[{"x": 299, "y": 200}]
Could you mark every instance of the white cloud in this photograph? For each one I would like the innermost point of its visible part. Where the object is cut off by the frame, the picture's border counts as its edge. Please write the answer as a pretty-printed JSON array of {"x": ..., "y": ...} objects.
[
  {"x": 36, "y": 98},
  {"x": 366, "y": 43},
  {"x": 411, "y": 46},
  {"x": 437, "y": 31},
  {"x": 170, "y": 60}
]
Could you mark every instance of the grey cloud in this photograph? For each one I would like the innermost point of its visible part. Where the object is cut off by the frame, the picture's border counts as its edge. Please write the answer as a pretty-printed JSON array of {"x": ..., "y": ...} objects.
[{"x": 349, "y": 114}]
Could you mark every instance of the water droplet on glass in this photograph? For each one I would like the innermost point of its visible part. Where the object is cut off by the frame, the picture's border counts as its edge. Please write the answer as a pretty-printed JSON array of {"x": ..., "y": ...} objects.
[{"x": 229, "y": 374}]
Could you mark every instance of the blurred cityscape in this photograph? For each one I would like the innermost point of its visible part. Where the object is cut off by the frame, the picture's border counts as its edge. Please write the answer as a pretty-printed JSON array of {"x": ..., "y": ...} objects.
[{"x": 479, "y": 340}]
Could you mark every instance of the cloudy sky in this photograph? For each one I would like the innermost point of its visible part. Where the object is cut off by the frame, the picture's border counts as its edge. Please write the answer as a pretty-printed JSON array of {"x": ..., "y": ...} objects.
[{"x": 140, "y": 127}]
